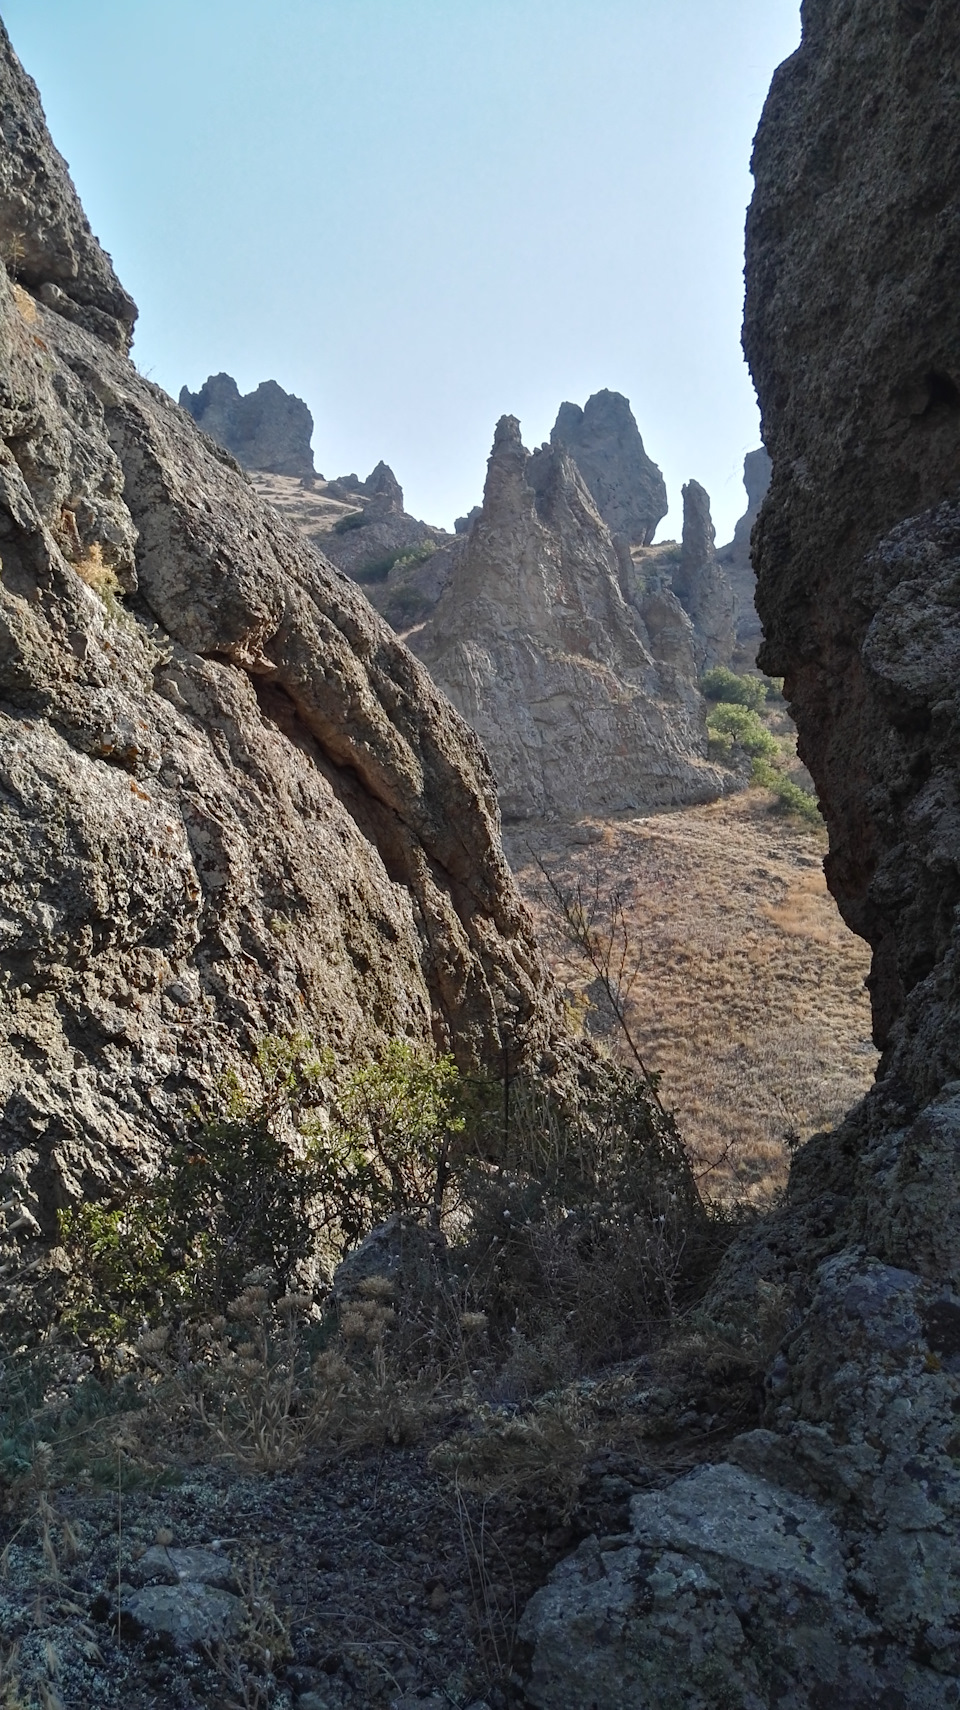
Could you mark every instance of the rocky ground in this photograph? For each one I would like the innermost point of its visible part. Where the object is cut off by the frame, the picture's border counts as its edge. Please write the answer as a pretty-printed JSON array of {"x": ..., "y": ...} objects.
[{"x": 377, "y": 1579}]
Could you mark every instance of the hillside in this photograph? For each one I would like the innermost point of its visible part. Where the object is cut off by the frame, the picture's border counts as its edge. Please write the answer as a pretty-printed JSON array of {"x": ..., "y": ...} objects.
[{"x": 746, "y": 990}]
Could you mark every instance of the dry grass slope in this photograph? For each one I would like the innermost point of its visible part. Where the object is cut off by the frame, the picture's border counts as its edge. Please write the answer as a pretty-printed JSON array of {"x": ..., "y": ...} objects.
[{"x": 748, "y": 997}]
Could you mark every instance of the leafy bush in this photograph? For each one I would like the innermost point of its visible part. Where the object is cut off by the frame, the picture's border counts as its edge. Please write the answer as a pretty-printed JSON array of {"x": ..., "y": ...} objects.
[
  {"x": 390, "y": 1144},
  {"x": 296, "y": 1154},
  {"x": 722, "y": 684},
  {"x": 567, "y": 1227},
  {"x": 352, "y": 520},
  {"x": 729, "y": 724},
  {"x": 791, "y": 798},
  {"x": 379, "y": 568}
]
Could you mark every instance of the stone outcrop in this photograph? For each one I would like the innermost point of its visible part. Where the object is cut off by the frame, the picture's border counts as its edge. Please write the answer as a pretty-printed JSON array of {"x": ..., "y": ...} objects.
[
  {"x": 232, "y": 802},
  {"x": 700, "y": 583},
  {"x": 735, "y": 556},
  {"x": 853, "y": 250},
  {"x": 267, "y": 429},
  {"x": 604, "y": 441},
  {"x": 536, "y": 645}
]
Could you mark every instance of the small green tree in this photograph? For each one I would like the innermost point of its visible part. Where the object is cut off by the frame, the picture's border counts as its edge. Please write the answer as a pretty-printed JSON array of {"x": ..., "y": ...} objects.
[
  {"x": 729, "y": 725},
  {"x": 743, "y": 690},
  {"x": 391, "y": 1143}
]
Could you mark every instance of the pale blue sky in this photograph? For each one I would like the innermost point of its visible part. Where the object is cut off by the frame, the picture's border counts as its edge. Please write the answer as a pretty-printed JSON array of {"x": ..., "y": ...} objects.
[{"x": 420, "y": 214}]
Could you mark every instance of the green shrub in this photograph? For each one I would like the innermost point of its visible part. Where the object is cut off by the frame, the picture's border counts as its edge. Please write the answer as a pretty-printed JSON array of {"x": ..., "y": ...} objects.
[
  {"x": 722, "y": 684},
  {"x": 379, "y": 568},
  {"x": 407, "y": 606},
  {"x": 353, "y": 519},
  {"x": 573, "y": 1221},
  {"x": 730, "y": 724},
  {"x": 296, "y": 1154},
  {"x": 391, "y": 1141},
  {"x": 791, "y": 797}
]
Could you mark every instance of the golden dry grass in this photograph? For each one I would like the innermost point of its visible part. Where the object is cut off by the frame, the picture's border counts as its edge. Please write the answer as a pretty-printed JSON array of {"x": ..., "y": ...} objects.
[
  {"x": 25, "y": 303},
  {"x": 748, "y": 997}
]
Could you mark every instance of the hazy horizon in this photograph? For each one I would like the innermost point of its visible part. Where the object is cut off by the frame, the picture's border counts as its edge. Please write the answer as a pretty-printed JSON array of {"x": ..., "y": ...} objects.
[{"x": 421, "y": 217}]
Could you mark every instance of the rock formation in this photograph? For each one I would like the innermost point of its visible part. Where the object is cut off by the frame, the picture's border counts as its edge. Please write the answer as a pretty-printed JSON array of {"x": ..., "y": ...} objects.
[
  {"x": 735, "y": 557},
  {"x": 232, "y": 802},
  {"x": 604, "y": 441},
  {"x": 535, "y": 644},
  {"x": 362, "y": 527},
  {"x": 701, "y": 585},
  {"x": 820, "y": 1561},
  {"x": 267, "y": 429}
]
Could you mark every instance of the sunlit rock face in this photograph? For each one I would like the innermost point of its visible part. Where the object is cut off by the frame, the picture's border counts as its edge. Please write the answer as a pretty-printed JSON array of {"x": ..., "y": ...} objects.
[
  {"x": 701, "y": 585},
  {"x": 625, "y": 484},
  {"x": 231, "y": 802},
  {"x": 852, "y": 331},
  {"x": 535, "y": 643},
  {"x": 735, "y": 558},
  {"x": 268, "y": 429}
]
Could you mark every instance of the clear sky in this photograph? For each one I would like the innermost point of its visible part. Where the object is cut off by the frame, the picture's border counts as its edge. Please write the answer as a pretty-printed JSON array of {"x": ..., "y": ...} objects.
[{"x": 421, "y": 214}]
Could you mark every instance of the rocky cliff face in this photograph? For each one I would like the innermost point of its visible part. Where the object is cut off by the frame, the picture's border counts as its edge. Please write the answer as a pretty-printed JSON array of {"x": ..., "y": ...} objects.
[
  {"x": 536, "y": 645},
  {"x": 700, "y": 583},
  {"x": 267, "y": 429},
  {"x": 231, "y": 803},
  {"x": 604, "y": 441},
  {"x": 820, "y": 1560},
  {"x": 735, "y": 558}
]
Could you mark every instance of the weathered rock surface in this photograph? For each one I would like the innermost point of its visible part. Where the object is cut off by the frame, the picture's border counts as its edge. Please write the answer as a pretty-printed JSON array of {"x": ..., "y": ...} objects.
[
  {"x": 701, "y": 585},
  {"x": 604, "y": 441},
  {"x": 187, "y": 1616},
  {"x": 853, "y": 337},
  {"x": 268, "y": 429},
  {"x": 535, "y": 644},
  {"x": 231, "y": 802},
  {"x": 735, "y": 556}
]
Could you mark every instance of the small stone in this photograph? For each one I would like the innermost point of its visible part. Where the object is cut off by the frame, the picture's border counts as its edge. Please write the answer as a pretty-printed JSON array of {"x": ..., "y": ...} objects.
[
  {"x": 188, "y": 1615},
  {"x": 176, "y": 1567}
]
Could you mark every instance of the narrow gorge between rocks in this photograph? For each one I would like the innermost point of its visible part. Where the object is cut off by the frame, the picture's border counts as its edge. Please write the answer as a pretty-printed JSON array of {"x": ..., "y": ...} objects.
[{"x": 479, "y": 1228}]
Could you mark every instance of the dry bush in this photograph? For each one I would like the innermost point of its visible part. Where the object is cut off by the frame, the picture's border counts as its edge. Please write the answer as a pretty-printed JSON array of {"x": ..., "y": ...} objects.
[
  {"x": 537, "y": 1458},
  {"x": 258, "y": 1390},
  {"x": 247, "y": 1663}
]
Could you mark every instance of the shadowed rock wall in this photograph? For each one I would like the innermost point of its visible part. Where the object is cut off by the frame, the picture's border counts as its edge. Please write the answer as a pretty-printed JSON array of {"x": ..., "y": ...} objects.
[{"x": 853, "y": 335}]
